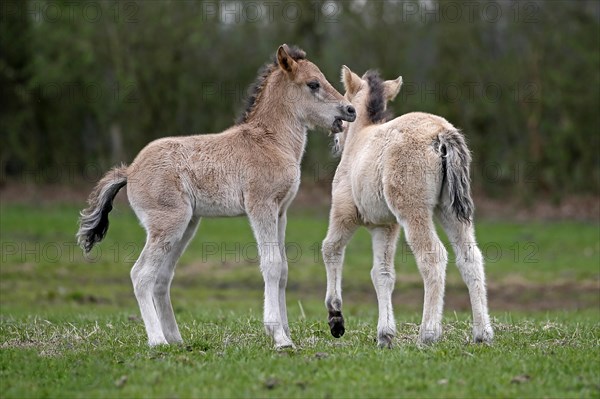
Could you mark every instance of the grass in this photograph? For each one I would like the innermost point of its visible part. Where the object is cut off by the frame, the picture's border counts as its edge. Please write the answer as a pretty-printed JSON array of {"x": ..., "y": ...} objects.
[
  {"x": 70, "y": 327},
  {"x": 227, "y": 355}
]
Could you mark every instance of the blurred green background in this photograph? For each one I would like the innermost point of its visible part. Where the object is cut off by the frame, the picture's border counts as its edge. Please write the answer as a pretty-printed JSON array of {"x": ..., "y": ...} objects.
[{"x": 87, "y": 84}]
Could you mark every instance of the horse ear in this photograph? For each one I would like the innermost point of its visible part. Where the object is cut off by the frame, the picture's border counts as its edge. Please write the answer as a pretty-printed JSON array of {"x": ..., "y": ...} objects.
[
  {"x": 285, "y": 61},
  {"x": 392, "y": 88},
  {"x": 350, "y": 80}
]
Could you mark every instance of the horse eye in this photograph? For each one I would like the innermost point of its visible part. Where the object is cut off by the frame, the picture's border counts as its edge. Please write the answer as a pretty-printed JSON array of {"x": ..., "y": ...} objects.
[{"x": 314, "y": 85}]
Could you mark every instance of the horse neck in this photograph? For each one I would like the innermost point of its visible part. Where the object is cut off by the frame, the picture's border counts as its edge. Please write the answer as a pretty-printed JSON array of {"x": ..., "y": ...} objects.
[
  {"x": 278, "y": 118},
  {"x": 361, "y": 122}
]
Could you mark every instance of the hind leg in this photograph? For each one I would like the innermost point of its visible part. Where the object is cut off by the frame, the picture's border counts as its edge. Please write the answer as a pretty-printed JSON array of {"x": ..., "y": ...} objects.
[
  {"x": 384, "y": 277},
  {"x": 143, "y": 277},
  {"x": 164, "y": 231},
  {"x": 470, "y": 264},
  {"x": 162, "y": 287},
  {"x": 431, "y": 259}
]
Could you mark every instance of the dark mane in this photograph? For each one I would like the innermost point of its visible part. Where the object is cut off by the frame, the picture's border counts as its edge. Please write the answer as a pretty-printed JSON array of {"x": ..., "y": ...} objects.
[
  {"x": 376, "y": 103},
  {"x": 264, "y": 71}
]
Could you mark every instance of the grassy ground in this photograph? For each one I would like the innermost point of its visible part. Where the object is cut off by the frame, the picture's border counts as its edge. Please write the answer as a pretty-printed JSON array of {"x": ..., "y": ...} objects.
[{"x": 70, "y": 327}]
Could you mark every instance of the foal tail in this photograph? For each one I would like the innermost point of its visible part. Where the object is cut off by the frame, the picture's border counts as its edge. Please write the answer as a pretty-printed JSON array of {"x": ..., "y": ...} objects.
[
  {"x": 456, "y": 160},
  {"x": 93, "y": 223}
]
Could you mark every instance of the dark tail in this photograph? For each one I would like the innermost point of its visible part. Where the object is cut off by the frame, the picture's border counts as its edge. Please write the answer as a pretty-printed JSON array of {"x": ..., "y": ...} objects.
[
  {"x": 456, "y": 160},
  {"x": 93, "y": 223}
]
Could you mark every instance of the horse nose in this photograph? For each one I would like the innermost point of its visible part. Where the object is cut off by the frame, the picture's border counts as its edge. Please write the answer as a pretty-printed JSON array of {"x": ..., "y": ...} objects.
[{"x": 351, "y": 112}]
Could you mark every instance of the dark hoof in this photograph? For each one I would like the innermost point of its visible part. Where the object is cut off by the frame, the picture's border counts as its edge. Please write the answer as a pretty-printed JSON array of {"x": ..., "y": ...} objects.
[
  {"x": 385, "y": 340},
  {"x": 484, "y": 336},
  {"x": 336, "y": 324}
]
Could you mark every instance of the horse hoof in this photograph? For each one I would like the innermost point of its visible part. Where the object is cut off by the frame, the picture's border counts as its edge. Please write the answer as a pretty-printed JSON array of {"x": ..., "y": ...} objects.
[
  {"x": 486, "y": 335},
  {"x": 385, "y": 340},
  {"x": 429, "y": 338},
  {"x": 284, "y": 346},
  {"x": 336, "y": 324}
]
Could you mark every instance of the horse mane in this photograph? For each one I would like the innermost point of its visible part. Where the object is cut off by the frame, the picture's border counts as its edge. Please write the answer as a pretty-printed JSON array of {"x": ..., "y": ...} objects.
[
  {"x": 256, "y": 88},
  {"x": 376, "y": 102}
]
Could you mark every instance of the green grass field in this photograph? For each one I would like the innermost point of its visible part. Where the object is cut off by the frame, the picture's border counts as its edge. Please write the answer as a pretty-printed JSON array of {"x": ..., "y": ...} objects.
[{"x": 70, "y": 327}]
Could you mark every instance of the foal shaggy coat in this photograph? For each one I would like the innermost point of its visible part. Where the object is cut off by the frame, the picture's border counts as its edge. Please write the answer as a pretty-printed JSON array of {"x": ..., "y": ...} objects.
[
  {"x": 252, "y": 168},
  {"x": 399, "y": 173}
]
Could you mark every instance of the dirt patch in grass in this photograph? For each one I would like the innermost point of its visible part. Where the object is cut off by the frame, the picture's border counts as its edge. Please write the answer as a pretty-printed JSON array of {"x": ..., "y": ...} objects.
[
  {"x": 513, "y": 292},
  {"x": 528, "y": 296},
  {"x": 503, "y": 296}
]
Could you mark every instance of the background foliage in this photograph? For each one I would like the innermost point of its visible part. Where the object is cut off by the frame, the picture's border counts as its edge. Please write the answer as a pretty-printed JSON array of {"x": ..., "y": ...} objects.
[{"x": 87, "y": 84}]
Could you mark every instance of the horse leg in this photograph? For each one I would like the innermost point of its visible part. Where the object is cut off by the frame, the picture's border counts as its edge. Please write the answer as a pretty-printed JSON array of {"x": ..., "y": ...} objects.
[
  {"x": 281, "y": 225},
  {"x": 264, "y": 221},
  {"x": 339, "y": 232},
  {"x": 431, "y": 259},
  {"x": 470, "y": 264},
  {"x": 384, "y": 277},
  {"x": 143, "y": 277},
  {"x": 162, "y": 287},
  {"x": 164, "y": 230}
]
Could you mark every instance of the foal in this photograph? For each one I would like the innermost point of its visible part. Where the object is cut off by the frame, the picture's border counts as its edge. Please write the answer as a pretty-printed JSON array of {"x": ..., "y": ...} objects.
[
  {"x": 253, "y": 168},
  {"x": 398, "y": 173}
]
